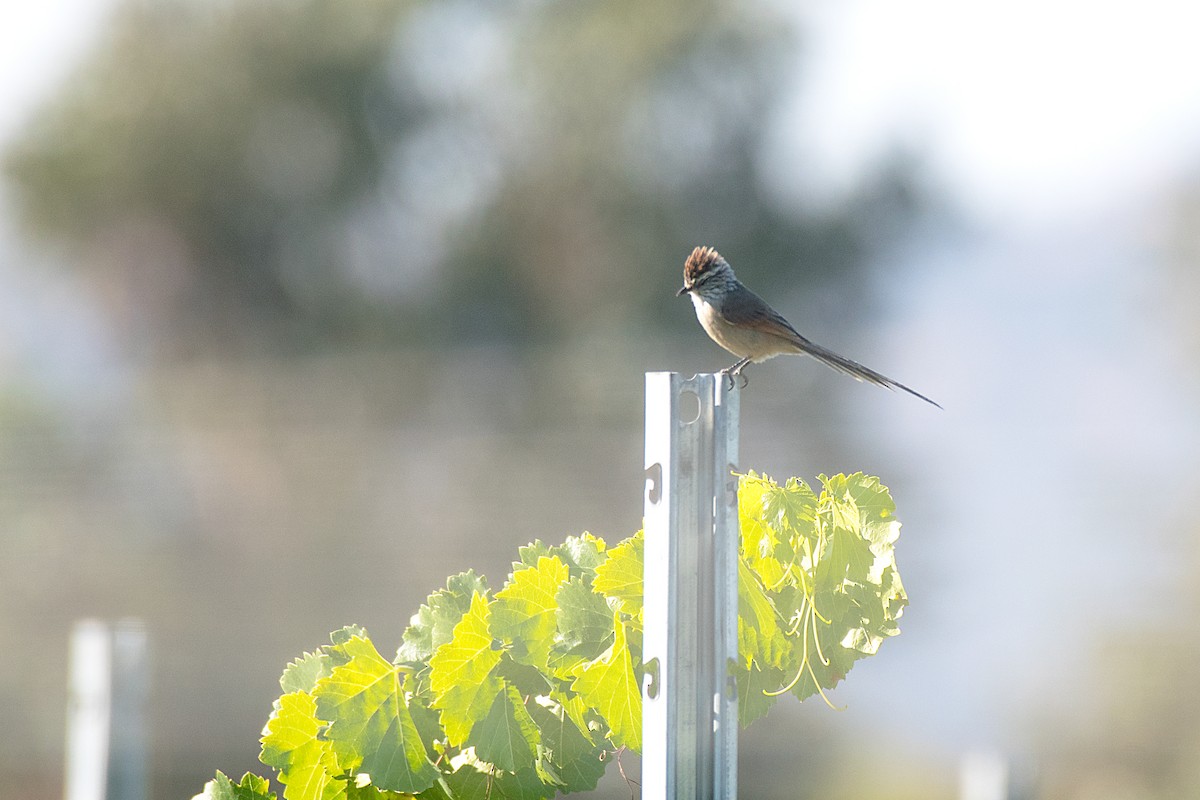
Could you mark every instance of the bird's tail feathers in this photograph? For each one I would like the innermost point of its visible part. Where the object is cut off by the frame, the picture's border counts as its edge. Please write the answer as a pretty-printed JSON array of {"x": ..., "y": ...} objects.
[{"x": 854, "y": 369}]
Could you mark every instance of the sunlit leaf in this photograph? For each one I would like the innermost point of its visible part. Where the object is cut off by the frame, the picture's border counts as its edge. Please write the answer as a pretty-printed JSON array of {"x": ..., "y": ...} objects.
[
  {"x": 291, "y": 744},
  {"x": 608, "y": 685},
  {"x": 461, "y": 673},
  {"x": 620, "y": 576},
  {"x": 507, "y": 737},
  {"x": 525, "y": 611},
  {"x": 433, "y": 625},
  {"x": 251, "y": 787},
  {"x": 371, "y": 729}
]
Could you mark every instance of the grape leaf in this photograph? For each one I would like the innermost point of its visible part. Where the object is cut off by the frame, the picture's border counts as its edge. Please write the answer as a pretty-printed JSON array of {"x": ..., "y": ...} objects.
[
  {"x": 473, "y": 780},
  {"x": 522, "y": 695},
  {"x": 346, "y": 633},
  {"x": 608, "y": 685},
  {"x": 251, "y": 787},
  {"x": 620, "y": 576},
  {"x": 753, "y": 684},
  {"x": 583, "y": 554},
  {"x": 302, "y": 674},
  {"x": 433, "y": 624},
  {"x": 460, "y": 673},
  {"x": 576, "y": 763},
  {"x": 306, "y": 763},
  {"x": 524, "y": 612},
  {"x": 584, "y": 624},
  {"x": 371, "y": 729},
  {"x": 826, "y": 564},
  {"x": 760, "y": 640},
  {"x": 507, "y": 737},
  {"x": 877, "y": 510}
]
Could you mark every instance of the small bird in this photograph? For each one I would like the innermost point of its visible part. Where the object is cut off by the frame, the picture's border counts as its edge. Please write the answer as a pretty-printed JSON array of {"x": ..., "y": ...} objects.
[{"x": 741, "y": 322}]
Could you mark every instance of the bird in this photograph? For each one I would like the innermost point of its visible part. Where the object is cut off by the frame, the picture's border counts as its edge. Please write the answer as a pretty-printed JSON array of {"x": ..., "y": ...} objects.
[{"x": 742, "y": 323}]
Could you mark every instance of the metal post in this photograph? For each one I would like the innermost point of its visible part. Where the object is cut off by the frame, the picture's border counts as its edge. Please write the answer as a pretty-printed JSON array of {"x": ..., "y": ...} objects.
[
  {"x": 127, "y": 767},
  {"x": 106, "y": 733},
  {"x": 88, "y": 710},
  {"x": 689, "y": 701}
]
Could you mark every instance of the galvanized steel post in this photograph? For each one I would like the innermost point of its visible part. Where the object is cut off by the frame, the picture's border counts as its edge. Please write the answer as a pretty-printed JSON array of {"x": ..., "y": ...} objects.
[
  {"x": 689, "y": 697},
  {"x": 106, "y": 749}
]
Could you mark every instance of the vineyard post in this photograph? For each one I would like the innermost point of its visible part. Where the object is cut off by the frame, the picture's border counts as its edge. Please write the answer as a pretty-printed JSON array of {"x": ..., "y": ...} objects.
[
  {"x": 689, "y": 695},
  {"x": 106, "y": 730}
]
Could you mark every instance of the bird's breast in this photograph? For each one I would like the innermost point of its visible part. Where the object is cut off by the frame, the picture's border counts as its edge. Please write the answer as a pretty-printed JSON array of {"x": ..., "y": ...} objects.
[
  {"x": 741, "y": 340},
  {"x": 718, "y": 329}
]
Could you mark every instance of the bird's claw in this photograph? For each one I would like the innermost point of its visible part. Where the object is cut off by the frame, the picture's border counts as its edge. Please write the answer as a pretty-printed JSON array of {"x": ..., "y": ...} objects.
[{"x": 730, "y": 372}]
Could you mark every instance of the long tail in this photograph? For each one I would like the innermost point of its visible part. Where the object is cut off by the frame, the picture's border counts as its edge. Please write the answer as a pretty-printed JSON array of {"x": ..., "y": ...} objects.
[{"x": 854, "y": 369}]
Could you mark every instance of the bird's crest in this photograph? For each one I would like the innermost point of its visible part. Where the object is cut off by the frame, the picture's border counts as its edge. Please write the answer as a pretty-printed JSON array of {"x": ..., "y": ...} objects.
[{"x": 702, "y": 261}]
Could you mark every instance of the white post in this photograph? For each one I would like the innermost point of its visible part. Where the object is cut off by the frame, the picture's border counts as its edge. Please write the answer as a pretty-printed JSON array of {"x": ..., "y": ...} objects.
[
  {"x": 983, "y": 775},
  {"x": 106, "y": 732},
  {"x": 88, "y": 711},
  {"x": 128, "y": 740},
  {"x": 689, "y": 701}
]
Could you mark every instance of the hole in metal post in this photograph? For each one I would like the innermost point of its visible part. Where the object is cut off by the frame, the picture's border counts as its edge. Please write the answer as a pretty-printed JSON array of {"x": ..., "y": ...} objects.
[
  {"x": 654, "y": 482},
  {"x": 650, "y": 678},
  {"x": 689, "y": 407}
]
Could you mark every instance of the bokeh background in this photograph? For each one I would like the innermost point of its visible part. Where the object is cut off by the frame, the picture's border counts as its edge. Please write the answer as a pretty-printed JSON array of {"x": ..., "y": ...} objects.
[{"x": 306, "y": 305}]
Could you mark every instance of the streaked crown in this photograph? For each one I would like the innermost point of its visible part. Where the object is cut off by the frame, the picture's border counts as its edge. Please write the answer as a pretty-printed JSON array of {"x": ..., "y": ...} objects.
[{"x": 702, "y": 264}]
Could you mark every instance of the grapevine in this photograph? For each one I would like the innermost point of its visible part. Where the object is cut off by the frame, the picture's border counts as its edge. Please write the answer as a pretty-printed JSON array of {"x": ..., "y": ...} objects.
[{"x": 529, "y": 691}]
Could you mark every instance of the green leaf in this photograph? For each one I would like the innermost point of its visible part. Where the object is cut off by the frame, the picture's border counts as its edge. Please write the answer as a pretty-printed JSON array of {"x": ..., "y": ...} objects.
[
  {"x": 877, "y": 510},
  {"x": 753, "y": 684},
  {"x": 345, "y": 634},
  {"x": 848, "y": 556},
  {"x": 787, "y": 508},
  {"x": 302, "y": 674},
  {"x": 760, "y": 640},
  {"x": 460, "y": 673},
  {"x": 580, "y": 553},
  {"x": 524, "y": 612},
  {"x": 530, "y": 553},
  {"x": 608, "y": 685},
  {"x": 620, "y": 576},
  {"x": 507, "y": 737},
  {"x": 585, "y": 627},
  {"x": 521, "y": 695},
  {"x": 576, "y": 762},
  {"x": 528, "y": 680},
  {"x": 583, "y": 554},
  {"x": 433, "y": 625},
  {"x": 474, "y": 780},
  {"x": 371, "y": 729},
  {"x": 306, "y": 763},
  {"x": 251, "y": 787},
  {"x": 826, "y": 565},
  {"x": 369, "y": 792}
]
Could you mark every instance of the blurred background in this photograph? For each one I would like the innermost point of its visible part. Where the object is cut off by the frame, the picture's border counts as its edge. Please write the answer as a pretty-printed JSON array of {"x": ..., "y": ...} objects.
[{"x": 306, "y": 305}]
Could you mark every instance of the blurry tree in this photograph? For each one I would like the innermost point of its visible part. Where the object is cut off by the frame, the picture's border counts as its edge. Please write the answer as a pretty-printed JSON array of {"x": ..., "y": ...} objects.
[
  {"x": 203, "y": 153},
  {"x": 459, "y": 169},
  {"x": 1141, "y": 738}
]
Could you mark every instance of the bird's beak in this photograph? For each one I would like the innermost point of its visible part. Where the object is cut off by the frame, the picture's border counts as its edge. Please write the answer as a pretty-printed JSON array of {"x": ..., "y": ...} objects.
[{"x": 682, "y": 291}]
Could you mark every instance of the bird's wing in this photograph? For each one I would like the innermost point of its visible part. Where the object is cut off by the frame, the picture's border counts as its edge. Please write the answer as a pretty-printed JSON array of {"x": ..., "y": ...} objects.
[{"x": 748, "y": 310}]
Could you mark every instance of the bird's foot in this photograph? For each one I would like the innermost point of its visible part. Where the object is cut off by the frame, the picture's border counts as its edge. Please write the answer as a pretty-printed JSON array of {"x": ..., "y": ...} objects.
[{"x": 736, "y": 371}]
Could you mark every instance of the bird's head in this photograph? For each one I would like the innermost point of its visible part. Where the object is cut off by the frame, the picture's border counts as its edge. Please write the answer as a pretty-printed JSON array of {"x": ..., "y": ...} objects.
[{"x": 704, "y": 268}]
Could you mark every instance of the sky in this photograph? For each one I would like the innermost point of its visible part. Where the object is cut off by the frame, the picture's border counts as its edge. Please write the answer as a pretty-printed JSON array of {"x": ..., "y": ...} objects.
[
  {"x": 39, "y": 44},
  {"x": 1027, "y": 110}
]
